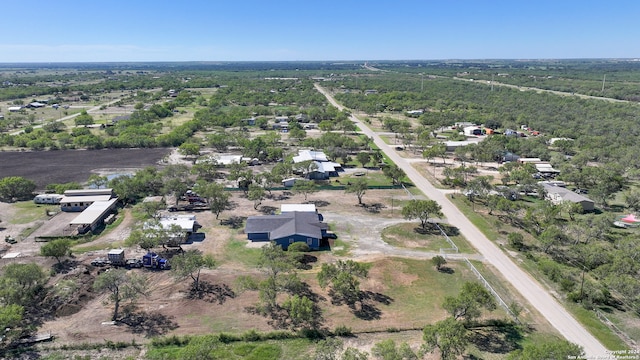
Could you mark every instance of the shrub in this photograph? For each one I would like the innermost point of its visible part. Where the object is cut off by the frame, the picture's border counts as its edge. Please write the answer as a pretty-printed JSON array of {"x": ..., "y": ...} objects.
[
  {"x": 343, "y": 331},
  {"x": 299, "y": 247}
]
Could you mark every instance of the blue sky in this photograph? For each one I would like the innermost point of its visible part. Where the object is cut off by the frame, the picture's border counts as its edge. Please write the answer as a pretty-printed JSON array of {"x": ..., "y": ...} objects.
[{"x": 210, "y": 30}]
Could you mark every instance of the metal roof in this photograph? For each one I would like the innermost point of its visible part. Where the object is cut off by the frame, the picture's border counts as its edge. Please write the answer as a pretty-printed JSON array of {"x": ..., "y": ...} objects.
[
  {"x": 94, "y": 212},
  {"x": 85, "y": 199}
]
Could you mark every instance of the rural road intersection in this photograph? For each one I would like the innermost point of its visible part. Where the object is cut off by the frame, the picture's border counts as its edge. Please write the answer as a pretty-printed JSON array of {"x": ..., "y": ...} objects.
[{"x": 530, "y": 289}]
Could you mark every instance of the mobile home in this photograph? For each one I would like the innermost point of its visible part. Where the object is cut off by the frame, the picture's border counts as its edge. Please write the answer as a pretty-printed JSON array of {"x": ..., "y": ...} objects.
[{"x": 48, "y": 199}]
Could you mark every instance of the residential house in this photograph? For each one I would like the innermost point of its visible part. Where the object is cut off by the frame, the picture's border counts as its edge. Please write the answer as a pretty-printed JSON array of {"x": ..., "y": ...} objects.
[
  {"x": 324, "y": 169},
  {"x": 287, "y": 228},
  {"x": 557, "y": 195}
]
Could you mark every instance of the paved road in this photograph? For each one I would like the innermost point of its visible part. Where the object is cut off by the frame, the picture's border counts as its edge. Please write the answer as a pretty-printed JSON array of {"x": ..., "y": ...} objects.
[{"x": 530, "y": 289}]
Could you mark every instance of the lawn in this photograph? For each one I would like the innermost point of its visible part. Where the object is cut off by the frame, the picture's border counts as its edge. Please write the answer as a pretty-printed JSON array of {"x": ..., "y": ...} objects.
[
  {"x": 28, "y": 211},
  {"x": 408, "y": 235},
  {"x": 402, "y": 294}
]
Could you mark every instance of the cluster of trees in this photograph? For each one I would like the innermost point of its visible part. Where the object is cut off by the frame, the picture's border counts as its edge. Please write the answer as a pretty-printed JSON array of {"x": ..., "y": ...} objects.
[
  {"x": 14, "y": 188},
  {"x": 22, "y": 291},
  {"x": 603, "y": 130}
]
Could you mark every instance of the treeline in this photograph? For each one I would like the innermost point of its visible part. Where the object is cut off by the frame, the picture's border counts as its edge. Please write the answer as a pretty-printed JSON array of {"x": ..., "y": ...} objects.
[{"x": 604, "y": 131}]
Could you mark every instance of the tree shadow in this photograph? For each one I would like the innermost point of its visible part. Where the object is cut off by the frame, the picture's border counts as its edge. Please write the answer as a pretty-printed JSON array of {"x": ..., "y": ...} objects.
[
  {"x": 285, "y": 195},
  {"x": 304, "y": 261},
  {"x": 66, "y": 266},
  {"x": 374, "y": 208},
  {"x": 427, "y": 230},
  {"x": 213, "y": 293},
  {"x": 368, "y": 301},
  {"x": 268, "y": 210},
  {"x": 148, "y": 323},
  {"x": 446, "y": 270},
  {"x": 234, "y": 222},
  {"x": 319, "y": 203},
  {"x": 232, "y": 205},
  {"x": 497, "y": 337}
]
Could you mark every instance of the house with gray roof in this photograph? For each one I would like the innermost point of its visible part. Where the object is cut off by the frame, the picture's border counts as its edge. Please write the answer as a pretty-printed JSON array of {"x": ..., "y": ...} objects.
[
  {"x": 286, "y": 228},
  {"x": 557, "y": 195}
]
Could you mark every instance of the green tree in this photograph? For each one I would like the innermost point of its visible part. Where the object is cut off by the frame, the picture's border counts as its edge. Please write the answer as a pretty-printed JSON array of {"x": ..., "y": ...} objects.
[
  {"x": 394, "y": 173},
  {"x": 97, "y": 181},
  {"x": 342, "y": 277},
  {"x": 364, "y": 158},
  {"x": 121, "y": 286},
  {"x": 84, "y": 119},
  {"x": 305, "y": 188},
  {"x": 632, "y": 199},
  {"x": 16, "y": 188},
  {"x": 21, "y": 284},
  {"x": 190, "y": 149},
  {"x": 189, "y": 264},
  {"x": 422, "y": 210},
  {"x": 151, "y": 208},
  {"x": 558, "y": 349},
  {"x": 469, "y": 302},
  {"x": 175, "y": 181},
  {"x": 516, "y": 240},
  {"x": 448, "y": 336},
  {"x": 328, "y": 349},
  {"x": 359, "y": 187},
  {"x": 297, "y": 133},
  {"x": 302, "y": 312},
  {"x": 387, "y": 350},
  {"x": 279, "y": 268},
  {"x": 146, "y": 239},
  {"x": 354, "y": 354},
  {"x": 56, "y": 248},
  {"x": 201, "y": 348},
  {"x": 438, "y": 261},
  {"x": 430, "y": 154},
  {"x": 217, "y": 198},
  {"x": 256, "y": 194},
  {"x": 11, "y": 319},
  {"x": 268, "y": 180},
  {"x": 61, "y": 188},
  {"x": 206, "y": 170}
]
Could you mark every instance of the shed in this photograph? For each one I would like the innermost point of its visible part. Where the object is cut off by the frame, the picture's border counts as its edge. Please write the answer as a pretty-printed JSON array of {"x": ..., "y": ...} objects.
[
  {"x": 93, "y": 216},
  {"x": 289, "y": 182},
  {"x": 472, "y": 131}
]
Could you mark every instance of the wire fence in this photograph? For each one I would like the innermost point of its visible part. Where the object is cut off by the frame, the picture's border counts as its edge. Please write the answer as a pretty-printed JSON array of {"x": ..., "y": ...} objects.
[
  {"x": 491, "y": 290},
  {"x": 453, "y": 247},
  {"x": 616, "y": 329}
]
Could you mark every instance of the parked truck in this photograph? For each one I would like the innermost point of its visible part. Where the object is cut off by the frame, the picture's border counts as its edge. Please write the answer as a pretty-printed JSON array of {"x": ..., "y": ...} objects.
[
  {"x": 153, "y": 261},
  {"x": 116, "y": 257}
]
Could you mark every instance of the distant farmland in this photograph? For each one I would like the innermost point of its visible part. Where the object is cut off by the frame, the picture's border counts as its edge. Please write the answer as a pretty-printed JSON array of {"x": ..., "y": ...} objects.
[{"x": 60, "y": 166}]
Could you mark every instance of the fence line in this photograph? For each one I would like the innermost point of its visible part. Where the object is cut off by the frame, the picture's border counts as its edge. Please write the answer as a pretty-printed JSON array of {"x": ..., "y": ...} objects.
[
  {"x": 491, "y": 290},
  {"x": 615, "y": 329},
  {"x": 453, "y": 245},
  {"x": 408, "y": 192}
]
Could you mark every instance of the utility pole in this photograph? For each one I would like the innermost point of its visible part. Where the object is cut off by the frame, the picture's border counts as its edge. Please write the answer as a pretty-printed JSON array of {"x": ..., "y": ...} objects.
[{"x": 604, "y": 78}]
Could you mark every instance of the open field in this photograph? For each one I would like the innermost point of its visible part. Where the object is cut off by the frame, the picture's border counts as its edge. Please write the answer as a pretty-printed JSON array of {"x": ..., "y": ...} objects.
[{"x": 48, "y": 167}]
